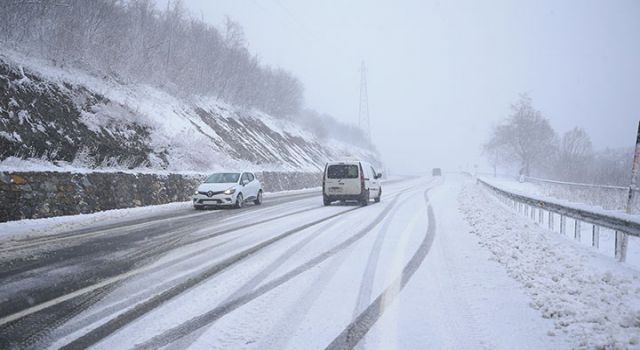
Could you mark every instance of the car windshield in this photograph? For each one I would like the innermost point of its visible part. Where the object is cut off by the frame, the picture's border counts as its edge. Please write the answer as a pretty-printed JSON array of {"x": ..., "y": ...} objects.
[
  {"x": 342, "y": 171},
  {"x": 223, "y": 178}
]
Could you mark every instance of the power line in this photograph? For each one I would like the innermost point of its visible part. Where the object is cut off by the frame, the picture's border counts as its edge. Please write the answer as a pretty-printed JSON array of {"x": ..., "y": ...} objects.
[{"x": 363, "y": 111}]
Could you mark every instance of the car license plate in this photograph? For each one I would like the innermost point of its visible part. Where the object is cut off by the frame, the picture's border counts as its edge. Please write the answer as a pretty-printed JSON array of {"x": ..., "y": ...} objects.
[{"x": 335, "y": 189}]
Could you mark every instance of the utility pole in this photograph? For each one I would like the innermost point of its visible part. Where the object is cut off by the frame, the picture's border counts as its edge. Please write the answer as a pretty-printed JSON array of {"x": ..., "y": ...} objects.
[
  {"x": 632, "y": 201},
  {"x": 363, "y": 112}
]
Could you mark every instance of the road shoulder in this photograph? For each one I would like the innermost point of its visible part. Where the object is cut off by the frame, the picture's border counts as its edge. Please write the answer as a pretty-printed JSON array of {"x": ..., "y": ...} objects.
[
  {"x": 460, "y": 298},
  {"x": 587, "y": 297}
]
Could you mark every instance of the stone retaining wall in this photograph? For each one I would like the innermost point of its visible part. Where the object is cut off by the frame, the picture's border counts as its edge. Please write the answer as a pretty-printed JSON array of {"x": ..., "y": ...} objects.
[{"x": 30, "y": 195}]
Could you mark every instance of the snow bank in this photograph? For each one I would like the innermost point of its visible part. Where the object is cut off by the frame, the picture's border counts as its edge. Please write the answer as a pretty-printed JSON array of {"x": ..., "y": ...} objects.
[
  {"x": 591, "y": 298},
  {"x": 48, "y": 226}
]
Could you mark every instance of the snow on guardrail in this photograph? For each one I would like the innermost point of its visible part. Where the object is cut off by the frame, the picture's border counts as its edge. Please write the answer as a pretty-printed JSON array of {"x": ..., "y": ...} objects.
[
  {"x": 623, "y": 224},
  {"x": 607, "y": 196},
  {"x": 575, "y": 184}
]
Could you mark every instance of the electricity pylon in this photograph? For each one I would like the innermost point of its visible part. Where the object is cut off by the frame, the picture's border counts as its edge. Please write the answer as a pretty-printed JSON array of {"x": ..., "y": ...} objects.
[{"x": 363, "y": 112}]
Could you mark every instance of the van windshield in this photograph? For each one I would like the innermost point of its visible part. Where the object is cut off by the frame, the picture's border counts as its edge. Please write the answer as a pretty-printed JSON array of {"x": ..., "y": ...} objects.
[
  {"x": 342, "y": 171},
  {"x": 223, "y": 178}
]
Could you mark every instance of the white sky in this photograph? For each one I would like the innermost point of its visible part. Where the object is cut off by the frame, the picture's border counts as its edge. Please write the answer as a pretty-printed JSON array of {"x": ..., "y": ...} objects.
[{"x": 442, "y": 72}]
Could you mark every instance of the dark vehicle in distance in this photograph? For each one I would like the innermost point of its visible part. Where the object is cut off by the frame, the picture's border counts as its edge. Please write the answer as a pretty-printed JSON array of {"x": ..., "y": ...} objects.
[{"x": 436, "y": 172}]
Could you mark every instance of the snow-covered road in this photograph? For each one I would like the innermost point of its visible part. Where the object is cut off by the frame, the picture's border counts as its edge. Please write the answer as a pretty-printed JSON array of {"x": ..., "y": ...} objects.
[{"x": 406, "y": 273}]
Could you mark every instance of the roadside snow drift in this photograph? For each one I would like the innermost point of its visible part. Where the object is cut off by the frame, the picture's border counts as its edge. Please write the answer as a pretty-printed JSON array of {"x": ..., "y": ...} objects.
[{"x": 591, "y": 298}]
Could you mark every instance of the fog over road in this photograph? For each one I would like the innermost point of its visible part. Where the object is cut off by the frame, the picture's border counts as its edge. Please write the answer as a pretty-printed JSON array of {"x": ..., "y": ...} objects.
[{"x": 288, "y": 274}]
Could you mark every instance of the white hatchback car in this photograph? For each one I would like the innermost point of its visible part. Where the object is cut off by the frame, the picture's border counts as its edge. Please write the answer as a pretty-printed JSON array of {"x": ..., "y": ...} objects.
[{"x": 228, "y": 189}]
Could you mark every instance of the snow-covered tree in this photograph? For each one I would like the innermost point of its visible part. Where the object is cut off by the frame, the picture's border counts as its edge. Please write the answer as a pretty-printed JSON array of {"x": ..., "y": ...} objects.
[
  {"x": 525, "y": 137},
  {"x": 575, "y": 155},
  {"x": 134, "y": 41}
]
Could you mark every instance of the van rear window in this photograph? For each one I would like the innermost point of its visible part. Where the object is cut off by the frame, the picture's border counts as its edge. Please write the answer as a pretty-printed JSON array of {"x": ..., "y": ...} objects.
[{"x": 342, "y": 171}]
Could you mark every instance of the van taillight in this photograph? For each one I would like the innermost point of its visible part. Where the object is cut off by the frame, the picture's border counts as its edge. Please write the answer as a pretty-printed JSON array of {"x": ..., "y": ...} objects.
[
  {"x": 361, "y": 179},
  {"x": 324, "y": 176}
]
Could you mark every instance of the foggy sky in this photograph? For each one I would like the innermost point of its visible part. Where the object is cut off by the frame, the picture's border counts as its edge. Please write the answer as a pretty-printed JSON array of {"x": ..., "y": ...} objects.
[{"x": 441, "y": 73}]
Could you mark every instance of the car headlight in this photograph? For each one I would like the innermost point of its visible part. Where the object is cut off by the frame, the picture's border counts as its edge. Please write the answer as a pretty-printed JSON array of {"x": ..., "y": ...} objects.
[
  {"x": 230, "y": 191},
  {"x": 196, "y": 192}
]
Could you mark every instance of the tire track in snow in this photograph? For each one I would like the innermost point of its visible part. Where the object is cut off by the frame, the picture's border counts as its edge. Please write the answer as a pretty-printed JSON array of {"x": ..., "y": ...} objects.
[
  {"x": 34, "y": 329},
  {"x": 211, "y": 316},
  {"x": 25, "y": 243},
  {"x": 368, "y": 278},
  {"x": 94, "y": 292},
  {"x": 103, "y": 312},
  {"x": 281, "y": 332},
  {"x": 111, "y": 326},
  {"x": 364, "y": 294},
  {"x": 94, "y": 285},
  {"x": 26, "y": 333},
  {"x": 359, "y": 327},
  {"x": 301, "y": 306},
  {"x": 259, "y": 278}
]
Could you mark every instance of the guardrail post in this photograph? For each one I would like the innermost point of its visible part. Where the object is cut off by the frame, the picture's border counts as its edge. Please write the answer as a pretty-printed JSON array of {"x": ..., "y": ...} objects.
[
  {"x": 540, "y": 216},
  {"x": 551, "y": 217},
  {"x": 533, "y": 213},
  {"x": 563, "y": 223},
  {"x": 577, "y": 233},
  {"x": 595, "y": 236},
  {"x": 621, "y": 237},
  {"x": 621, "y": 246}
]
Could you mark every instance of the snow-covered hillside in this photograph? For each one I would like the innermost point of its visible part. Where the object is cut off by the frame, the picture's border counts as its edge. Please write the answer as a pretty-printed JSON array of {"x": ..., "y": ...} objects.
[{"x": 67, "y": 119}]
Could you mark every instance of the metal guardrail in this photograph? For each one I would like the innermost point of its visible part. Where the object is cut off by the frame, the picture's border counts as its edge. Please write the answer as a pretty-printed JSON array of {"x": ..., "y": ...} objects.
[
  {"x": 575, "y": 184},
  {"x": 528, "y": 206}
]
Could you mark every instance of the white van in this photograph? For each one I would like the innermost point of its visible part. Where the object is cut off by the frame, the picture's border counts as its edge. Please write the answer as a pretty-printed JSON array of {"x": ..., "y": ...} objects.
[{"x": 351, "y": 181}]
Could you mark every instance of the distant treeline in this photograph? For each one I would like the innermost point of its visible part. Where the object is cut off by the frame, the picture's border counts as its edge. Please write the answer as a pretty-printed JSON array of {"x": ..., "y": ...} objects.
[
  {"x": 134, "y": 41},
  {"x": 526, "y": 141}
]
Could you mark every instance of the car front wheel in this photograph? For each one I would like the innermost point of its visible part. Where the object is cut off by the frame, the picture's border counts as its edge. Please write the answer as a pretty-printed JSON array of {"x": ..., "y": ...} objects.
[
  {"x": 377, "y": 200},
  {"x": 239, "y": 201}
]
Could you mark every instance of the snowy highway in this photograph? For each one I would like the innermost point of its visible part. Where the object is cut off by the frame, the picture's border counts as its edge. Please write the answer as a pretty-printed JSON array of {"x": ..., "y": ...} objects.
[{"x": 404, "y": 273}]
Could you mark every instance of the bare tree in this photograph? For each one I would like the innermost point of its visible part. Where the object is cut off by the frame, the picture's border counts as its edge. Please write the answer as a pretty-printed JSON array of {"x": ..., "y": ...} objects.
[
  {"x": 496, "y": 154},
  {"x": 574, "y": 156},
  {"x": 576, "y": 144},
  {"x": 132, "y": 40},
  {"x": 525, "y": 137}
]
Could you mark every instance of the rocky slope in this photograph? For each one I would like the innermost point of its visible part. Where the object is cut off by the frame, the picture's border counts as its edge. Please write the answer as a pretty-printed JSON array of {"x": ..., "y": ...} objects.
[{"x": 66, "y": 119}]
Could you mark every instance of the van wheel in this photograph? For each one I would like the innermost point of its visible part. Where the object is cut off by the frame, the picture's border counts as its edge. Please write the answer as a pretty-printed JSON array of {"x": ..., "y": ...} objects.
[
  {"x": 365, "y": 199},
  {"x": 258, "y": 200},
  {"x": 326, "y": 200},
  {"x": 239, "y": 201},
  {"x": 377, "y": 199}
]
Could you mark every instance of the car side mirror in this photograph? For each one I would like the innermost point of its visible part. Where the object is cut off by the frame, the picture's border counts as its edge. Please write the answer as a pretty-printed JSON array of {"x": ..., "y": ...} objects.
[
  {"x": 378, "y": 175},
  {"x": 244, "y": 182}
]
